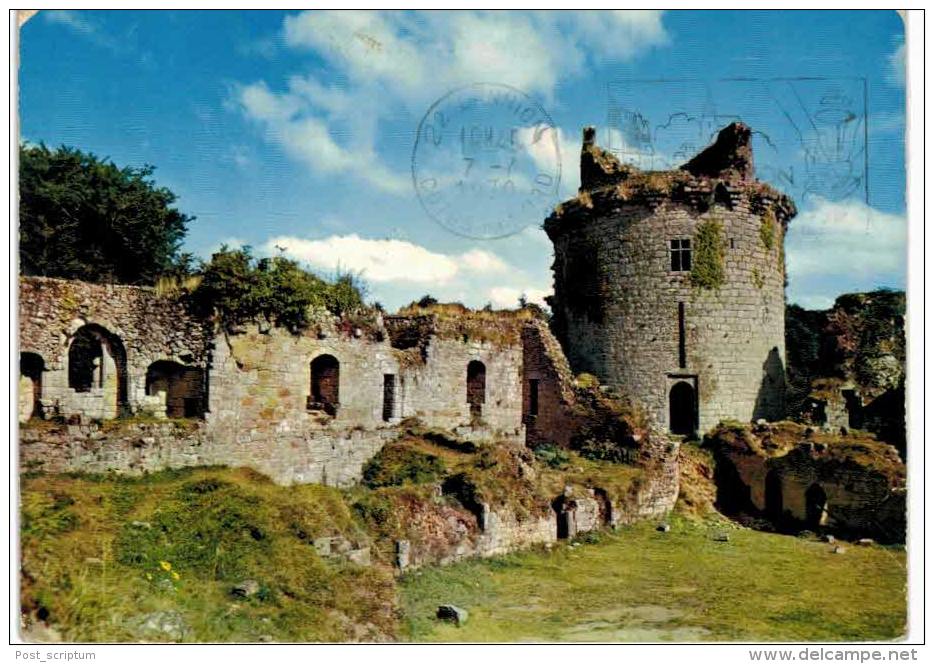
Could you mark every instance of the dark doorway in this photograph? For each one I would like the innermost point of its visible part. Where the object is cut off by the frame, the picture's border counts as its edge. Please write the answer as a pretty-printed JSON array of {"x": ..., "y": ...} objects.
[
  {"x": 854, "y": 409},
  {"x": 563, "y": 515},
  {"x": 476, "y": 387},
  {"x": 533, "y": 396},
  {"x": 389, "y": 396},
  {"x": 682, "y": 409},
  {"x": 815, "y": 506},
  {"x": 31, "y": 365},
  {"x": 325, "y": 384},
  {"x": 183, "y": 387},
  {"x": 773, "y": 495}
]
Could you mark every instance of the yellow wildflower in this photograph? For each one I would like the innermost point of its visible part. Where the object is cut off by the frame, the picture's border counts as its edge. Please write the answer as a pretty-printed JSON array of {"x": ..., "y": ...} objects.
[
  {"x": 176, "y": 576},
  {"x": 166, "y": 565}
]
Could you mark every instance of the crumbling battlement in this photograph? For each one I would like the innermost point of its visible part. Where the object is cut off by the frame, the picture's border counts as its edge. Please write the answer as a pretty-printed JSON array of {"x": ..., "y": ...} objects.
[{"x": 722, "y": 173}]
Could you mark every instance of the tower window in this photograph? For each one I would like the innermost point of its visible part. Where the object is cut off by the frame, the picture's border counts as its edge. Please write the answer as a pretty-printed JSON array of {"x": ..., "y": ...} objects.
[{"x": 680, "y": 251}]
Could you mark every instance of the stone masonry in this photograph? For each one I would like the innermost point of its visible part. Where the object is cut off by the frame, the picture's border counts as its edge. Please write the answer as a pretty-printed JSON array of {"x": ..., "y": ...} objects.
[{"x": 634, "y": 315}]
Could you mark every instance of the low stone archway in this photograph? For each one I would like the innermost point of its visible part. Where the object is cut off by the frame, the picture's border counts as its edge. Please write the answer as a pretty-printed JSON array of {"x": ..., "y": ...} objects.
[
  {"x": 97, "y": 373},
  {"x": 682, "y": 409}
]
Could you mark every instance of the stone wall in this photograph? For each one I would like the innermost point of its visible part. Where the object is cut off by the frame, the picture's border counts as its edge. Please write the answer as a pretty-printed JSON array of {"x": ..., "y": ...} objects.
[
  {"x": 261, "y": 382},
  {"x": 545, "y": 370},
  {"x": 134, "y": 326},
  {"x": 325, "y": 456},
  {"x": 798, "y": 478},
  {"x": 617, "y": 298}
]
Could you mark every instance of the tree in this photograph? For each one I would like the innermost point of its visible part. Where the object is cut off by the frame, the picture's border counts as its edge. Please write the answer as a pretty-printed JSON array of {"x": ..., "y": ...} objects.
[
  {"x": 82, "y": 217},
  {"x": 237, "y": 289}
]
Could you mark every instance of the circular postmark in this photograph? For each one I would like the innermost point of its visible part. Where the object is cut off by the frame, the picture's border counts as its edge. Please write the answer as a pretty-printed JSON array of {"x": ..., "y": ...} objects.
[{"x": 486, "y": 161}]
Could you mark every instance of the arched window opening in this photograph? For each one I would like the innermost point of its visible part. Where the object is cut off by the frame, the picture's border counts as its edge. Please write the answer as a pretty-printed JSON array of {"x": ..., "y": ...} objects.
[
  {"x": 31, "y": 366},
  {"x": 86, "y": 361},
  {"x": 682, "y": 409},
  {"x": 476, "y": 387},
  {"x": 325, "y": 384},
  {"x": 182, "y": 386},
  {"x": 97, "y": 361}
]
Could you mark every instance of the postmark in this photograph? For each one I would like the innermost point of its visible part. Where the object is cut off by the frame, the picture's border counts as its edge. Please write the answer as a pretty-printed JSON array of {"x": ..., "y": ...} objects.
[
  {"x": 811, "y": 131},
  {"x": 486, "y": 161}
]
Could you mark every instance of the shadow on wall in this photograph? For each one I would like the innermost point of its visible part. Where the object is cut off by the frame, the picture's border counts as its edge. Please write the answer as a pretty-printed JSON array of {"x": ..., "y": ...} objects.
[{"x": 770, "y": 401}]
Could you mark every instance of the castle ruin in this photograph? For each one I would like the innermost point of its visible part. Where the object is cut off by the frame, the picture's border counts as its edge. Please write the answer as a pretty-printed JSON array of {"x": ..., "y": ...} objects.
[{"x": 670, "y": 285}]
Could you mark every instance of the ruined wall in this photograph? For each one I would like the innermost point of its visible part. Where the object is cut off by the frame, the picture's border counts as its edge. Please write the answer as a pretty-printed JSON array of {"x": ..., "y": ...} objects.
[
  {"x": 261, "y": 382},
  {"x": 436, "y": 390},
  {"x": 137, "y": 326},
  {"x": 325, "y": 456},
  {"x": 779, "y": 468},
  {"x": 555, "y": 421},
  {"x": 617, "y": 298}
]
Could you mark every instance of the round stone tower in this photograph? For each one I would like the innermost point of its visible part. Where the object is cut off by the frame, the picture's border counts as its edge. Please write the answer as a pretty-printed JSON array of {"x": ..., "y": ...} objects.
[{"x": 670, "y": 285}]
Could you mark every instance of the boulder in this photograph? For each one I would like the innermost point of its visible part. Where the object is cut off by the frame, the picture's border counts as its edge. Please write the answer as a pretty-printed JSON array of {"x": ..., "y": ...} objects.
[
  {"x": 246, "y": 588},
  {"x": 452, "y": 613}
]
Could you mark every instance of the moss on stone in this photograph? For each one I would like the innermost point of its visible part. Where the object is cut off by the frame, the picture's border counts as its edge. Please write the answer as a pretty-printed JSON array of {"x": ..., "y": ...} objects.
[
  {"x": 767, "y": 230},
  {"x": 757, "y": 279},
  {"x": 707, "y": 268}
]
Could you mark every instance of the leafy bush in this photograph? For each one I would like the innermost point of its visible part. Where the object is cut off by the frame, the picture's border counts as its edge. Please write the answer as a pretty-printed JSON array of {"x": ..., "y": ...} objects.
[
  {"x": 551, "y": 456},
  {"x": 238, "y": 289}
]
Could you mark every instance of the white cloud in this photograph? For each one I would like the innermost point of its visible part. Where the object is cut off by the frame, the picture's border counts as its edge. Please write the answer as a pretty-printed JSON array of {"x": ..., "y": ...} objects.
[
  {"x": 483, "y": 262},
  {"x": 551, "y": 147},
  {"x": 842, "y": 247},
  {"x": 507, "y": 297},
  {"x": 310, "y": 138},
  {"x": 897, "y": 66},
  {"x": 387, "y": 260},
  {"x": 391, "y": 60},
  {"x": 79, "y": 24}
]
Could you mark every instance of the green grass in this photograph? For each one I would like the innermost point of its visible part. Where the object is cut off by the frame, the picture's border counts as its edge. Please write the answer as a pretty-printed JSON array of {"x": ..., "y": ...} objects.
[
  {"x": 102, "y": 554},
  {"x": 642, "y": 585}
]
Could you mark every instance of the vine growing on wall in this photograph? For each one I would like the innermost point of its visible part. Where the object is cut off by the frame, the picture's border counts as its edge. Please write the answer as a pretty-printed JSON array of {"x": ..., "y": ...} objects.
[
  {"x": 707, "y": 269},
  {"x": 767, "y": 230}
]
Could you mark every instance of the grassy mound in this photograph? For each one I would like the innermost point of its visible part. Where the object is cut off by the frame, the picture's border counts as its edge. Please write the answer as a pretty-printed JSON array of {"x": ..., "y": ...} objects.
[{"x": 157, "y": 559}]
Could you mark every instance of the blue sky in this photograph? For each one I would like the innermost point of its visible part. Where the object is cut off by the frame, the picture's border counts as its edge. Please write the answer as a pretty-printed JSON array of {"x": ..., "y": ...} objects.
[{"x": 296, "y": 129}]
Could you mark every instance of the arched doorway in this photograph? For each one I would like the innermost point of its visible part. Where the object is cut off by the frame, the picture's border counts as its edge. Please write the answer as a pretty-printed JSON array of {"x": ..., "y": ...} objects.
[
  {"x": 682, "y": 409},
  {"x": 815, "y": 506},
  {"x": 31, "y": 366},
  {"x": 325, "y": 384},
  {"x": 476, "y": 387},
  {"x": 182, "y": 386},
  {"x": 97, "y": 364},
  {"x": 773, "y": 495}
]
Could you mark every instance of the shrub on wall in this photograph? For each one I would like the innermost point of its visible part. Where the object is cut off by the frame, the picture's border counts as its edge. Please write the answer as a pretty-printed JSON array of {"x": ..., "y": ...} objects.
[
  {"x": 767, "y": 230},
  {"x": 237, "y": 289},
  {"x": 707, "y": 269}
]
